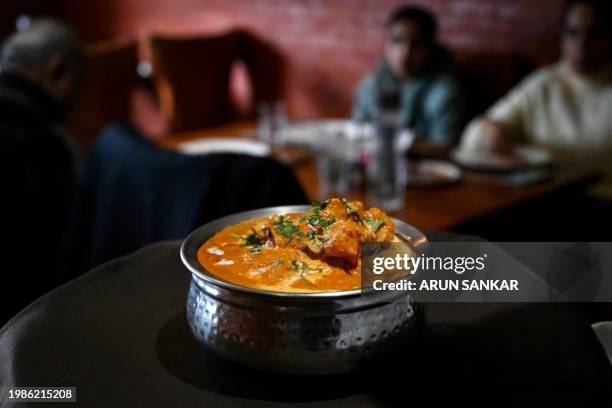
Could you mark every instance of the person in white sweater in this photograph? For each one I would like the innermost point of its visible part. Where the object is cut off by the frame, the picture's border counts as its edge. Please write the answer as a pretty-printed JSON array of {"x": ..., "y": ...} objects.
[{"x": 566, "y": 107}]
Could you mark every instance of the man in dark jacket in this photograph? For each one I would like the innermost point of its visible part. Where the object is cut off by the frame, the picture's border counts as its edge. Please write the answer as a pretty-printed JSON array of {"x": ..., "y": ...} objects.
[{"x": 39, "y": 163}]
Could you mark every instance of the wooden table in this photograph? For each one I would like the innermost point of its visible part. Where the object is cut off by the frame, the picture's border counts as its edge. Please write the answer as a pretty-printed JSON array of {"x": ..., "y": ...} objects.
[{"x": 430, "y": 208}]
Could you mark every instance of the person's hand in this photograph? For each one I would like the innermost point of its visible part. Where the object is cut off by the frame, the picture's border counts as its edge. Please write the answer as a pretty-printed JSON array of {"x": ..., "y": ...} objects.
[{"x": 486, "y": 136}]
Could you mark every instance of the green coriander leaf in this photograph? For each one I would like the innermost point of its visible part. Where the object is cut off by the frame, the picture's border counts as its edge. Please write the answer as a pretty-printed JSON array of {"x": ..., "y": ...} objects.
[
  {"x": 308, "y": 281},
  {"x": 286, "y": 228},
  {"x": 374, "y": 223},
  {"x": 250, "y": 239},
  {"x": 294, "y": 266},
  {"x": 315, "y": 219},
  {"x": 350, "y": 210}
]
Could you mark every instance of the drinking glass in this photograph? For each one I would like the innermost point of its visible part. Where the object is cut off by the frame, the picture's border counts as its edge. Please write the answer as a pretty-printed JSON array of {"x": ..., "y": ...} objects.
[
  {"x": 271, "y": 123},
  {"x": 387, "y": 167},
  {"x": 333, "y": 164}
]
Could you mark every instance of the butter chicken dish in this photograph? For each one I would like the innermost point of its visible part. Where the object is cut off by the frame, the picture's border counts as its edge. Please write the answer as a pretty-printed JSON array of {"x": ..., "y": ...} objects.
[{"x": 314, "y": 251}]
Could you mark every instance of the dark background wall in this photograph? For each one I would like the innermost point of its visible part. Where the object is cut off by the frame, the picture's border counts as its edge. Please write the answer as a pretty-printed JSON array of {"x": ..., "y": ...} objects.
[{"x": 328, "y": 45}]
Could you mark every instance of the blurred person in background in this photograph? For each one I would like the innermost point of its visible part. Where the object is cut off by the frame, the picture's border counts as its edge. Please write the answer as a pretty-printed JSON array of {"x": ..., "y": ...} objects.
[
  {"x": 40, "y": 73},
  {"x": 565, "y": 108},
  {"x": 416, "y": 79}
]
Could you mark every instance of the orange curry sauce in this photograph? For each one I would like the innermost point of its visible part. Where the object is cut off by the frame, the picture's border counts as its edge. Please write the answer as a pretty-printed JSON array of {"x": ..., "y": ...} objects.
[{"x": 317, "y": 251}]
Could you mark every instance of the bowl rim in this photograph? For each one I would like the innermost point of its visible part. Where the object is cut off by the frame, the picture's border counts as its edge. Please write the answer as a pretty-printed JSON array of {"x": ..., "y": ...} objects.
[{"x": 191, "y": 244}]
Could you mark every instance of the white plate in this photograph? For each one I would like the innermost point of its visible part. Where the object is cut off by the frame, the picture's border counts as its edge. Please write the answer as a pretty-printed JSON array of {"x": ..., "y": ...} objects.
[
  {"x": 323, "y": 132},
  {"x": 523, "y": 157},
  {"x": 224, "y": 145},
  {"x": 426, "y": 173},
  {"x": 314, "y": 132}
]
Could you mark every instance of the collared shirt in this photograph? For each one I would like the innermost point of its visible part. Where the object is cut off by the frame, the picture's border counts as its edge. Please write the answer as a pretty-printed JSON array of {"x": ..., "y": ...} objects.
[{"x": 431, "y": 106}]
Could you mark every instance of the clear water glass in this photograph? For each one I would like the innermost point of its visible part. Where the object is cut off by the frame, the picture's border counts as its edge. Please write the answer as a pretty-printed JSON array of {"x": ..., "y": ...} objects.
[
  {"x": 333, "y": 164},
  {"x": 272, "y": 122},
  {"x": 387, "y": 165}
]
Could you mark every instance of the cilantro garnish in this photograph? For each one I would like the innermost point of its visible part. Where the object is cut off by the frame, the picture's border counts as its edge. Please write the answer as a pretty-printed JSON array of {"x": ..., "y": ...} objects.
[
  {"x": 253, "y": 240},
  {"x": 302, "y": 267},
  {"x": 278, "y": 262},
  {"x": 351, "y": 211},
  {"x": 315, "y": 220},
  {"x": 374, "y": 223},
  {"x": 286, "y": 228},
  {"x": 312, "y": 234},
  {"x": 319, "y": 206},
  {"x": 250, "y": 239}
]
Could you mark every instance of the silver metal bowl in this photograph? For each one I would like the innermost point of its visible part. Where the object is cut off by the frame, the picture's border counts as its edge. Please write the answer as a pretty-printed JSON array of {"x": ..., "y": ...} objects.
[{"x": 298, "y": 333}]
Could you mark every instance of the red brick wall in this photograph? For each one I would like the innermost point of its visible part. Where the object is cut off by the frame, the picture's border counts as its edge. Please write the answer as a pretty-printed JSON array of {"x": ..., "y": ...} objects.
[{"x": 328, "y": 44}]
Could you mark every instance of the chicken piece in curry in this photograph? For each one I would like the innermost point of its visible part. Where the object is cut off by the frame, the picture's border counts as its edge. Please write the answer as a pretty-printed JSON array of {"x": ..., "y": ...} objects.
[{"x": 314, "y": 251}]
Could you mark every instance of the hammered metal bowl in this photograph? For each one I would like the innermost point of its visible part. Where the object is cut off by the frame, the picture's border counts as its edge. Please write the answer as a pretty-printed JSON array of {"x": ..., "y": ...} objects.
[{"x": 297, "y": 333}]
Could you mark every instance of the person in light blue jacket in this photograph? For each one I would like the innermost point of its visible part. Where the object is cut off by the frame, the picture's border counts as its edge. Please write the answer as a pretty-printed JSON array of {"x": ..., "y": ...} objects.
[{"x": 416, "y": 79}]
